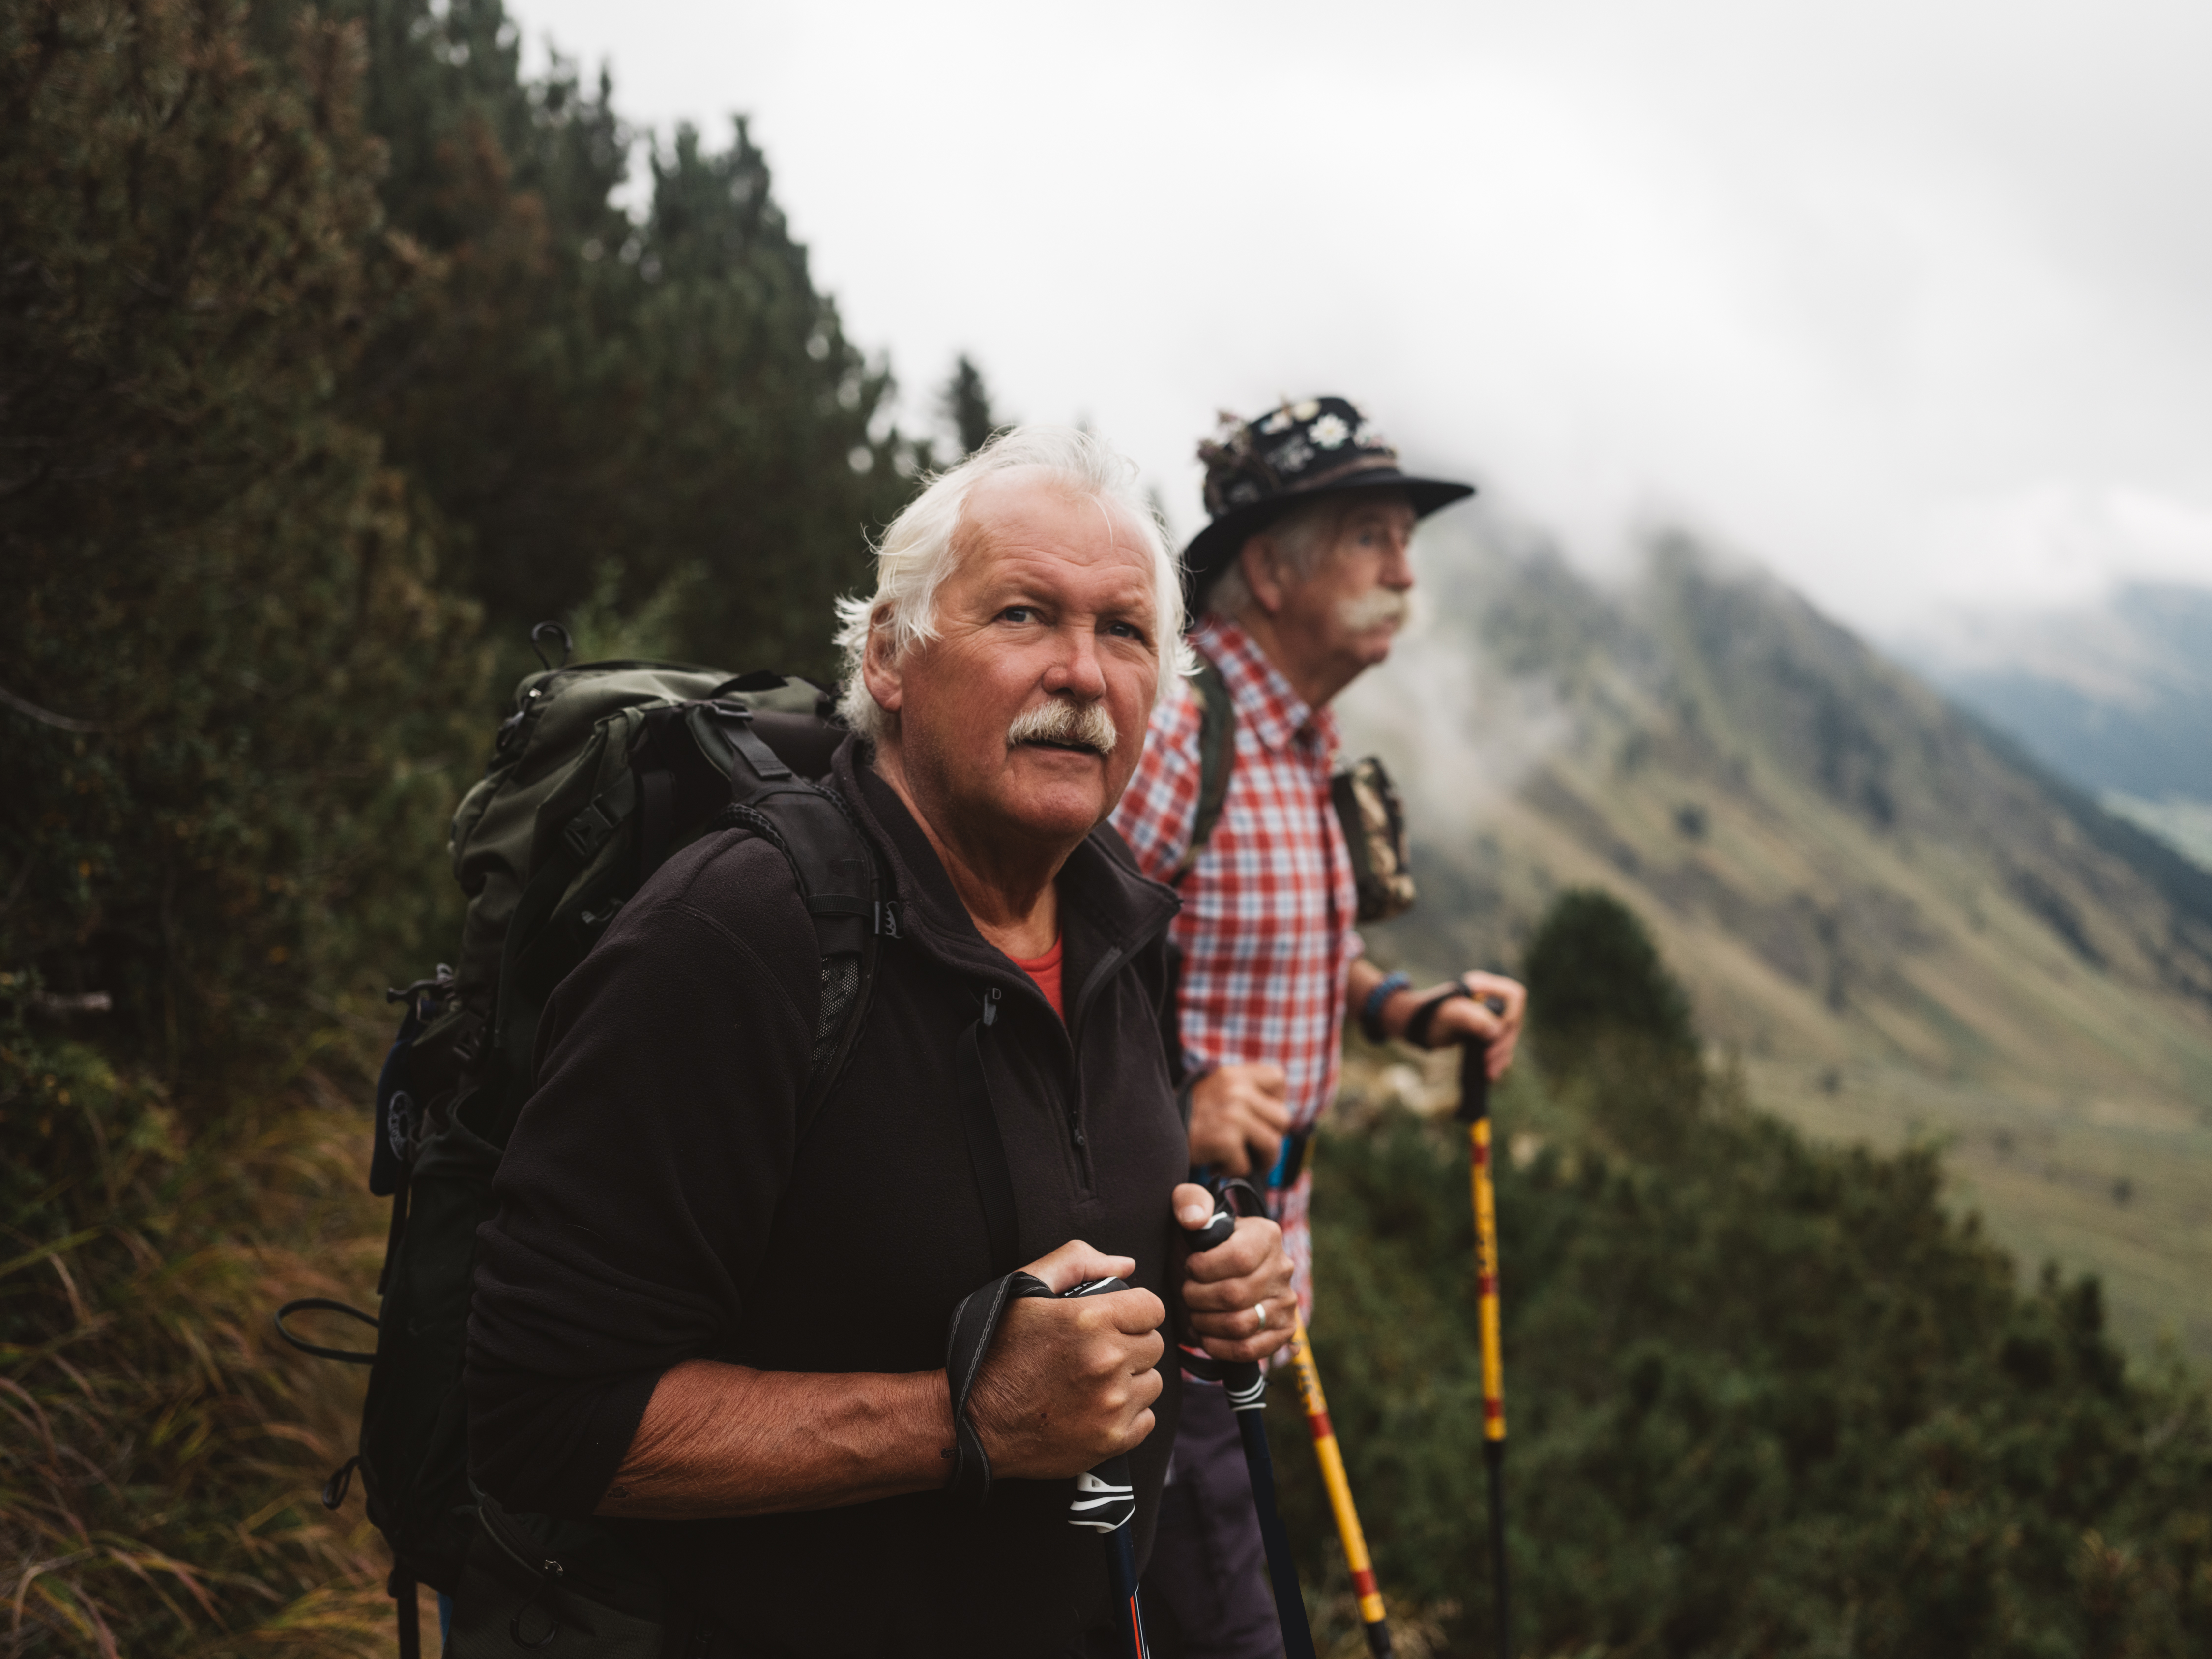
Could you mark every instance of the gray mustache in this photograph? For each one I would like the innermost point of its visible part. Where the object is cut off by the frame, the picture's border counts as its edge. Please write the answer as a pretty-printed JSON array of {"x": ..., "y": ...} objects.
[
  {"x": 1374, "y": 608},
  {"x": 1087, "y": 723}
]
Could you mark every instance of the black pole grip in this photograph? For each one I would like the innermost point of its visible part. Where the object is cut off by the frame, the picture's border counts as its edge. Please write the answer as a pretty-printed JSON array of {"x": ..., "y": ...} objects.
[
  {"x": 1218, "y": 1226},
  {"x": 1223, "y": 1222},
  {"x": 1473, "y": 1082},
  {"x": 1105, "y": 1502},
  {"x": 1105, "y": 1499},
  {"x": 1475, "y": 1073}
]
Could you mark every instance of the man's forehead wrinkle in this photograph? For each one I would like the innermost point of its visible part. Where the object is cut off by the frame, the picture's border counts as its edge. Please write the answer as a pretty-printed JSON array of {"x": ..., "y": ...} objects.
[
  {"x": 1108, "y": 585},
  {"x": 984, "y": 540}
]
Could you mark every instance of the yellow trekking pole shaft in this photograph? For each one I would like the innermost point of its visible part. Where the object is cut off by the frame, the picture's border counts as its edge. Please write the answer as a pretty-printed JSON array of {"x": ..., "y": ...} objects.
[
  {"x": 1474, "y": 1112},
  {"x": 1340, "y": 1492}
]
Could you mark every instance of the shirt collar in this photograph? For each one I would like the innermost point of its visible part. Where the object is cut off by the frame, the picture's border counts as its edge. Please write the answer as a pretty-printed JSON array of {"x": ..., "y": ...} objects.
[
  {"x": 1263, "y": 699},
  {"x": 1101, "y": 889}
]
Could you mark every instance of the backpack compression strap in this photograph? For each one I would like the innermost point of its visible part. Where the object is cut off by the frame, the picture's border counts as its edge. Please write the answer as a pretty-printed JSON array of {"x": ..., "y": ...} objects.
[{"x": 1216, "y": 757}]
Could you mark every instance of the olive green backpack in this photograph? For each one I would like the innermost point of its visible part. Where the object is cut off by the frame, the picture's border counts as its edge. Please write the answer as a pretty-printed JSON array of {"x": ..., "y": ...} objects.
[{"x": 602, "y": 770}]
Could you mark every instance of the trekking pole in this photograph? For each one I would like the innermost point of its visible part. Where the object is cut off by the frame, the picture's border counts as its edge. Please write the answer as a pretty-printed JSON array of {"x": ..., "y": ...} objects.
[
  {"x": 1105, "y": 1502},
  {"x": 1474, "y": 1112},
  {"x": 1339, "y": 1489},
  {"x": 1248, "y": 1397},
  {"x": 1373, "y": 1623}
]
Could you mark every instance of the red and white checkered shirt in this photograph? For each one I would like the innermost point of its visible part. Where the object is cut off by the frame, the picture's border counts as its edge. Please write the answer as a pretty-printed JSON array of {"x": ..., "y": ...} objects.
[{"x": 1267, "y": 910}]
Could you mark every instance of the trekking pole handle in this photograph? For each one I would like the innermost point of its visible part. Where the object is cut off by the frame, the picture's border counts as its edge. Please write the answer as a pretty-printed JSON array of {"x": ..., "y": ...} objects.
[
  {"x": 1246, "y": 1382},
  {"x": 1105, "y": 1502},
  {"x": 1218, "y": 1228},
  {"x": 1474, "y": 1071},
  {"x": 1105, "y": 1498},
  {"x": 1223, "y": 1222}
]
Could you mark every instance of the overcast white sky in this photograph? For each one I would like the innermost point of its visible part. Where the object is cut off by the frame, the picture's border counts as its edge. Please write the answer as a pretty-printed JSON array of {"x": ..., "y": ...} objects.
[{"x": 1912, "y": 302}]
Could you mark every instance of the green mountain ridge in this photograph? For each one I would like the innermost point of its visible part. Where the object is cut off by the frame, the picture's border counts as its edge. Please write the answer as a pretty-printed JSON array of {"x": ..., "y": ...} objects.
[{"x": 1899, "y": 924}]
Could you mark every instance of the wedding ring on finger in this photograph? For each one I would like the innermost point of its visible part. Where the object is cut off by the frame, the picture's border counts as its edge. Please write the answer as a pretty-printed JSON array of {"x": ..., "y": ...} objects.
[{"x": 1259, "y": 1313}]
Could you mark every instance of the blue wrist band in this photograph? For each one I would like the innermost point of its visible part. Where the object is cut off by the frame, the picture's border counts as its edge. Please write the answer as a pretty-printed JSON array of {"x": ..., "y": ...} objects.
[{"x": 1370, "y": 1011}]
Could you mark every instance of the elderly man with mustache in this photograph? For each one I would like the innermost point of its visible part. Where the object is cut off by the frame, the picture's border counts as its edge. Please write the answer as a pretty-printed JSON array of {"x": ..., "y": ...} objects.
[
  {"x": 723, "y": 1331},
  {"x": 1300, "y": 582}
]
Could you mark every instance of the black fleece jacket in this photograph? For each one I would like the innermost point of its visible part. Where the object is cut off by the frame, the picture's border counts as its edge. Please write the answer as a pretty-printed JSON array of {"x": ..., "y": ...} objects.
[{"x": 657, "y": 1204}]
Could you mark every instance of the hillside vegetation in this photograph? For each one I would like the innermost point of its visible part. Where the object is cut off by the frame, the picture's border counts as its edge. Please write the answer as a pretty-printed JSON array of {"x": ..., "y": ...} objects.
[
  {"x": 1905, "y": 931},
  {"x": 326, "y": 365},
  {"x": 1763, "y": 1397}
]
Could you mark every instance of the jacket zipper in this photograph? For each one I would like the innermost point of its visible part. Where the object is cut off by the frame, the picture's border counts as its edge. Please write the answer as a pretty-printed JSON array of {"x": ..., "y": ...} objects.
[{"x": 1101, "y": 971}]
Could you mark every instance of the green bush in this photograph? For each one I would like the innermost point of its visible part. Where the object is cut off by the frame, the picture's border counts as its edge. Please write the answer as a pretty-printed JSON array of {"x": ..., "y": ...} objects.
[
  {"x": 1592, "y": 969},
  {"x": 1763, "y": 1397}
]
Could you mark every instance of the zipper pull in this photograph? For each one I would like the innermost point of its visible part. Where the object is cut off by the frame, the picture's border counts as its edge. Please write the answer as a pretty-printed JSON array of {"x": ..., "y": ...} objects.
[{"x": 991, "y": 1007}]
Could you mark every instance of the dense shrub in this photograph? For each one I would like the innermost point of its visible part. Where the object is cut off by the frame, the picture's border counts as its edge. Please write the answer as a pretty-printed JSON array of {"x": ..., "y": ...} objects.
[
  {"x": 1592, "y": 970},
  {"x": 325, "y": 356},
  {"x": 1763, "y": 1397}
]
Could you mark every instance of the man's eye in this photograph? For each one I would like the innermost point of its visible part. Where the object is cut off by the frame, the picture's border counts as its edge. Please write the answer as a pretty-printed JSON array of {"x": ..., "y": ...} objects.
[
  {"x": 1017, "y": 613},
  {"x": 1126, "y": 631}
]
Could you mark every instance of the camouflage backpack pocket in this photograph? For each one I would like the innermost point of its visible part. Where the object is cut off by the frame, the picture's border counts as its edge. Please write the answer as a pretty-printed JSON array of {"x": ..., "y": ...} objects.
[{"x": 1374, "y": 821}]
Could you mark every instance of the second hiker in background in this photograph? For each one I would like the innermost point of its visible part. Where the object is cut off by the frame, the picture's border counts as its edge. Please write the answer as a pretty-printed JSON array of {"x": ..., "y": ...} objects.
[{"x": 1300, "y": 582}]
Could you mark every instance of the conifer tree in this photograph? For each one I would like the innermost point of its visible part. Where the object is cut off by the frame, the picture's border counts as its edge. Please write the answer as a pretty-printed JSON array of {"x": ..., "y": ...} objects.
[
  {"x": 224, "y": 659},
  {"x": 227, "y": 702},
  {"x": 966, "y": 404},
  {"x": 668, "y": 402},
  {"x": 1592, "y": 969}
]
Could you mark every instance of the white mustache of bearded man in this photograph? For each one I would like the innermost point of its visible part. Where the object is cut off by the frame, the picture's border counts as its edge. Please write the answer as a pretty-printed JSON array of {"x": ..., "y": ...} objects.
[
  {"x": 1376, "y": 608},
  {"x": 1086, "y": 725}
]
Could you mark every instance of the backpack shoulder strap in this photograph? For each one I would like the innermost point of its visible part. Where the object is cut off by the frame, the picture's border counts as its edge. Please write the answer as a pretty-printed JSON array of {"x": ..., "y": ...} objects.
[
  {"x": 843, "y": 884},
  {"x": 1216, "y": 757}
]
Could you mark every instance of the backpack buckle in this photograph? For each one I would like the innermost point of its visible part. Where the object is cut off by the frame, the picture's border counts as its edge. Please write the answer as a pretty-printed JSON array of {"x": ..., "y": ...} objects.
[{"x": 586, "y": 831}]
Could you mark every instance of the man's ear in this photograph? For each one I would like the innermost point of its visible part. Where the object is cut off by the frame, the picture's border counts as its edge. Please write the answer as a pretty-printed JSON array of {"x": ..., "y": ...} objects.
[
  {"x": 1266, "y": 574},
  {"x": 880, "y": 671}
]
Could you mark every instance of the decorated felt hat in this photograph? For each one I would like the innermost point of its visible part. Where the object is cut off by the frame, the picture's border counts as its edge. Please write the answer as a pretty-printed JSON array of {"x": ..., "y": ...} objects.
[{"x": 1258, "y": 470}]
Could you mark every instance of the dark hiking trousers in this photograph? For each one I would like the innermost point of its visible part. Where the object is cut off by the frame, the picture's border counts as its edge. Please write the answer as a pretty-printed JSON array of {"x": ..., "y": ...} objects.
[
  {"x": 1092, "y": 1644},
  {"x": 1206, "y": 1591}
]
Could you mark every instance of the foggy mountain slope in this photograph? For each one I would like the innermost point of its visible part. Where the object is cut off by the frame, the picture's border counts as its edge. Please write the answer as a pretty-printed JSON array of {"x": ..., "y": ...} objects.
[
  {"x": 1901, "y": 924},
  {"x": 2115, "y": 695}
]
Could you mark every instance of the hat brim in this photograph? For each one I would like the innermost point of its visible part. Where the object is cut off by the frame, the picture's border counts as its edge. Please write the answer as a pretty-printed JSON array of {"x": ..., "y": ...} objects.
[{"x": 1212, "y": 549}]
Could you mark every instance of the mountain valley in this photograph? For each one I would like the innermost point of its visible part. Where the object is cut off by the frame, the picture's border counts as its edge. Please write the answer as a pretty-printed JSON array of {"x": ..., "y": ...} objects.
[{"x": 1896, "y": 922}]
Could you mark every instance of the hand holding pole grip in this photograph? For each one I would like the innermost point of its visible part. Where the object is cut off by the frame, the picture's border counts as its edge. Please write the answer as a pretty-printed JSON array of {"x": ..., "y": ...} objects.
[
  {"x": 1105, "y": 1498},
  {"x": 1247, "y": 1386},
  {"x": 1105, "y": 1502}
]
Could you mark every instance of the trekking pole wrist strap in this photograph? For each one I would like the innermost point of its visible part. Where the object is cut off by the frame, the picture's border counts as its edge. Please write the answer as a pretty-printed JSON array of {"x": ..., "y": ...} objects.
[
  {"x": 1418, "y": 1024},
  {"x": 967, "y": 1342}
]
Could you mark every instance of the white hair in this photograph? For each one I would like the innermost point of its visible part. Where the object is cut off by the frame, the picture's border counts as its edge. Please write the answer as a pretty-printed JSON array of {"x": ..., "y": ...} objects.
[
  {"x": 916, "y": 554},
  {"x": 1302, "y": 535}
]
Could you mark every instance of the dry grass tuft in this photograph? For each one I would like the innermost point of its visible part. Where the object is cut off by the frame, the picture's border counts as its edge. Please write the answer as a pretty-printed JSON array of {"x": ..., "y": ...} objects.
[{"x": 163, "y": 1452}]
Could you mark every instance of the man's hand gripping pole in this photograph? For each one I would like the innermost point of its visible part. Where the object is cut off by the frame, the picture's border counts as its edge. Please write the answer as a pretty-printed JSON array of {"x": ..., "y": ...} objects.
[{"x": 1105, "y": 1498}]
